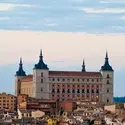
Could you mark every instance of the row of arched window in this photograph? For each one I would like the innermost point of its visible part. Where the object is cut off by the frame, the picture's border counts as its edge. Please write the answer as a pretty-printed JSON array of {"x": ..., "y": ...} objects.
[{"x": 75, "y": 91}]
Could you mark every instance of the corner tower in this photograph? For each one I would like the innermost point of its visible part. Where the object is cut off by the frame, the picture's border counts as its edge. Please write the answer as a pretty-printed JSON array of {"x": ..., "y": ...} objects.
[
  {"x": 107, "y": 82},
  {"x": 83, "y": 66},
  {"x": 41, "y": 79},
  {"x": 19, "y": 74}
]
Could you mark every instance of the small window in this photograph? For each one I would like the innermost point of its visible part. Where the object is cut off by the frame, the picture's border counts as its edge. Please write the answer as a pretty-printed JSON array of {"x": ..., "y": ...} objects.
[
  {"x": 53, "y": 79},
  {"x": 63, "y": 91},
  {"x": 108, "y": 76},
  {"x": 107, "y": 100},
  {"x": 92, "y": 90},
  {"x": 87, "y": 80},
  {"x": 73, "y": 91},
  {"x": 97, "y": 80},
  {"x": 41, "y": 80},
  {"x": 58, "y": 79},
  {"x": 87, "y": 90},
  {"x": 41, "y": 74},
  {"x": 83, "y": 91},
  {"x": 73, "y": 80},
  {"x": 78, "y": 80},
  {"x": 63, "y": 80},
  {"x": 92, "y": 80},
  {"x": 53, "y": 90},
  {"x": 97, "y": 91},
  {"x": 78, "y": 91},
  {"x": 108, "y": 82},
  {"x": 41, "y": 89},
  {"x": 58, "y": 91},
  {"x": 107, "y": 90},
  {"x": 83, "y": 80},
  {"x": 68, "y": 91}
]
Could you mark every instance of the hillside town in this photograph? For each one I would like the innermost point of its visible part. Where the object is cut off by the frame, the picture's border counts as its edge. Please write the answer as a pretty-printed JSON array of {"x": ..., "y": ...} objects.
[
  {"x": 62, "y": 97},
  {"x": 24, "y": 110}
]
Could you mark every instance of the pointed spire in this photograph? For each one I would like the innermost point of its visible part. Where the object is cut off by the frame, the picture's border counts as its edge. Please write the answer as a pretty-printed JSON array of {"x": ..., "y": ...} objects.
[
  {"x": 41, "y": 64},
  {"x": 41, "y": 53},
  {"x": 21, "y": 62},
  {"x": 83, "y": 66},
  {"x": 106, "y": 65},
  {"x": 20, "y": 71},
  {"x": 106, "y": 54}
]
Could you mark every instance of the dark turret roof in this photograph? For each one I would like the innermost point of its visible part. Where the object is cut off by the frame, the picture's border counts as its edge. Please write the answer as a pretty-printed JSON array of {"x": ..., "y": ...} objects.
[
  {"x": 83, "y": 66},
  {"x": 20, "y": 71},
  {"x": 106, "y": 66},
  {"x": 41, "y": 64}
]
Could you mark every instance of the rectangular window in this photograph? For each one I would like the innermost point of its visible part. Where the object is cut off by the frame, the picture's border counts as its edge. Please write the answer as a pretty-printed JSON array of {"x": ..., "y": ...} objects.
[
  {"x": 41, "y": 80},
  {"x": 41, "y": 89},
  {"x": 41, "y": 74}
]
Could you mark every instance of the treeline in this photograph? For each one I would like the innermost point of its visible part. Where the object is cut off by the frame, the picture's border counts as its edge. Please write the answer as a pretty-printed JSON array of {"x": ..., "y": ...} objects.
[{"x": 119, "y": 99}]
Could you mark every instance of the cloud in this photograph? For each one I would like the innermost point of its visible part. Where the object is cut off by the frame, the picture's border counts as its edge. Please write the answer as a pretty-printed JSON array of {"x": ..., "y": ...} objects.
[
  {"x": 117, "y": 27},
  {"x": 106, "y": 10},
  {"x": 7, "y": 6},
  {"x": 112, "y": 1},
  {"x": 60, "y": 46},
  {"x": 51, "y": 24},
  {"x": 122, "y": 17},
  {"x": 4, "y": 18}
]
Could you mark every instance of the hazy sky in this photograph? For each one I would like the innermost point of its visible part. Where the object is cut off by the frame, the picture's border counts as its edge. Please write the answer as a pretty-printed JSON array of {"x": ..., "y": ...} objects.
[{"x": 67, "y": 31}]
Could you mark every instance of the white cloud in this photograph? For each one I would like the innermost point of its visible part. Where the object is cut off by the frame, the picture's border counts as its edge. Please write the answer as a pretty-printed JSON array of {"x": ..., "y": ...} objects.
[
  {"x": 112, "y": 1},
  {"x": 51, "y": 24},
  {"x": 117, "y": 27},
  {"x": 4, "y": 18},
  {"x": 106, "y": 10},
  {"x": 122, "y": 18},
  {"x": 59, "y": 46},
  {"x": 7, "y": 7}
]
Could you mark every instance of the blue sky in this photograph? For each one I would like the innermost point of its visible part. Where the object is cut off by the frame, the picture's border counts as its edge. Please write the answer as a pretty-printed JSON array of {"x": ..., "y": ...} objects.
[
  {"x": 98, "y": 16},
  {"x": 67, "y": 30}
]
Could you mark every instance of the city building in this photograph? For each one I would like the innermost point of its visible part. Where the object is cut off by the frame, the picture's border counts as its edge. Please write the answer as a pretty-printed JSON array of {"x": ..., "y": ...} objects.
[
  {"x": 21, "y": 98},
  {"x": 7, "y": 102},
  {"x": 47, "y": 106},
  {"x": 66, "y": 85}
]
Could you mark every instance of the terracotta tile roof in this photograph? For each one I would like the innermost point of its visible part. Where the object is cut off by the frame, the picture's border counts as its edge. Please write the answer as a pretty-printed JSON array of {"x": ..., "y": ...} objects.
[
  {"x": 74, "y": 73},
  {"x": 27, "y": 78}
]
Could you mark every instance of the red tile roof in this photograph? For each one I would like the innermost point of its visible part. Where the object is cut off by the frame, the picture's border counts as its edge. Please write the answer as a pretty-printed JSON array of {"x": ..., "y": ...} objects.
[
  {"x": 27, "y": 78},
  {"x": 74, "y": 73}
]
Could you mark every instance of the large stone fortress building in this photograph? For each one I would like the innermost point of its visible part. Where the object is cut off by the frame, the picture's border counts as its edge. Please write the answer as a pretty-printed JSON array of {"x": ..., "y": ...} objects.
[{"x": 66, "y": 85}]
